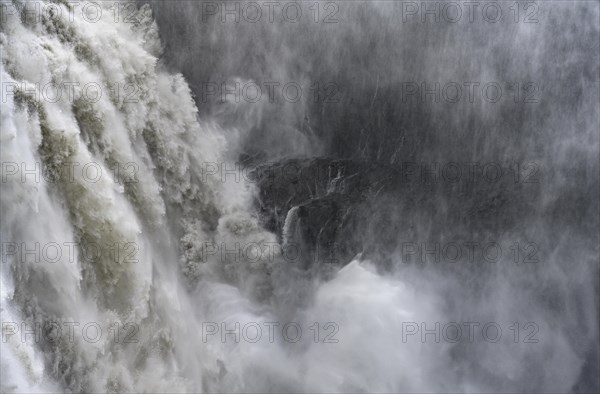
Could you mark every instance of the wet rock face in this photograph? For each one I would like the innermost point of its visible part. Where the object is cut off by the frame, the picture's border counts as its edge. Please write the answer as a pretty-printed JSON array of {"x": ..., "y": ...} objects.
[
  {"x": 328, "y": 210},
  {"x": 310, "y": 203}
]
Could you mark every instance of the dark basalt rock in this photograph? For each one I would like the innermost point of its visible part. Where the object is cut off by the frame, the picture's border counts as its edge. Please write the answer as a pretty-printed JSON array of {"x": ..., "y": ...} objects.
[
  {"x": 330, "y": 210},
  {"x": 325, "y": 195}
]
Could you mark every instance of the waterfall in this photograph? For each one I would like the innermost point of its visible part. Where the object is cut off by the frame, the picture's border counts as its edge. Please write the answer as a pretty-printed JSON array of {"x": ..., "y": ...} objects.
[
  {"x": 133, "y": 159},
  {"x": 134, "y": 259}
]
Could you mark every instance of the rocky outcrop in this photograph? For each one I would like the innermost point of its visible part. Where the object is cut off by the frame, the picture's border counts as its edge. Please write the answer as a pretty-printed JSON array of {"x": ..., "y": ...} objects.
[{"x": 329, "y": 210}]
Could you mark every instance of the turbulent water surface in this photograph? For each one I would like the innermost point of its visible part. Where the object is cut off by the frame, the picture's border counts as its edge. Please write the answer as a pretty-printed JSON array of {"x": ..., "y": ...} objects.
[{"x": 327, "y": 196}]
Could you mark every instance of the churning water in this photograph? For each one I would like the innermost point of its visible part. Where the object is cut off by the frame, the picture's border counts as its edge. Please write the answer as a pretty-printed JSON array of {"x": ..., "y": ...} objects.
[{"x": 133, "y": 261}]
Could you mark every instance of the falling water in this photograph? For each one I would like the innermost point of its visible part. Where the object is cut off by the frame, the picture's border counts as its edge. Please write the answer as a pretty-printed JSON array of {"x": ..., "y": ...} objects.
[{"x": 143, "y": 287}]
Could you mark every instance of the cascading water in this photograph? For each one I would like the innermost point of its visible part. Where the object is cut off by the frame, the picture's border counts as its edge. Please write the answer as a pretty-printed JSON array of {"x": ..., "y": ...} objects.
[{"x": 117, "y": 270}]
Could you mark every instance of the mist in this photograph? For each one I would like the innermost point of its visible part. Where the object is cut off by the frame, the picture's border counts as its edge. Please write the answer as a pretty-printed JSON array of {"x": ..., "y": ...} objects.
[{"x": 328, "y": 196}]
